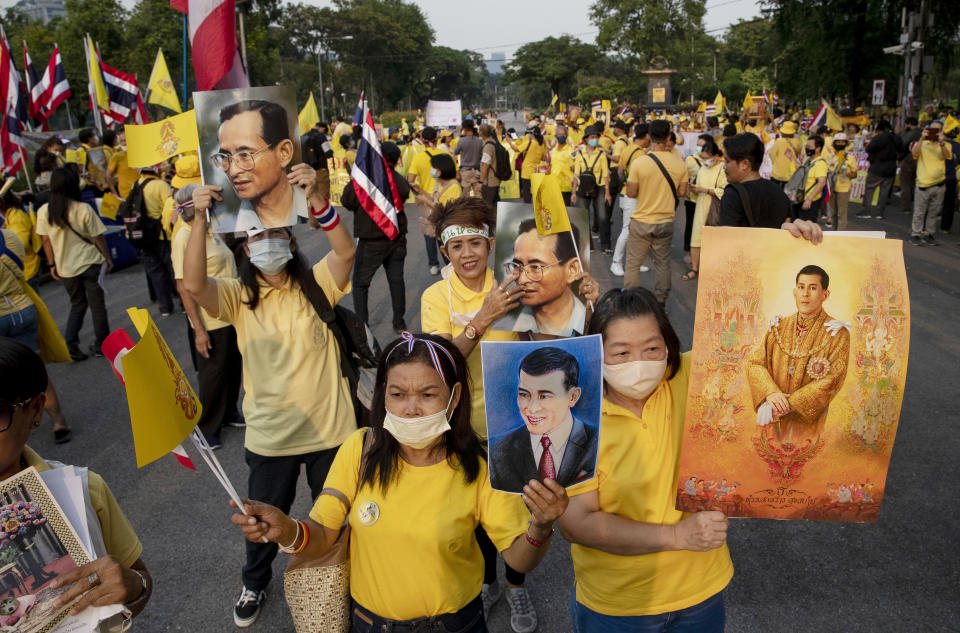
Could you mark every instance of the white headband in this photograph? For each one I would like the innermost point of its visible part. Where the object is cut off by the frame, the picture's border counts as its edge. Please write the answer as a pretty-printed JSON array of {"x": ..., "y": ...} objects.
[{"x": 456, "y": 230}]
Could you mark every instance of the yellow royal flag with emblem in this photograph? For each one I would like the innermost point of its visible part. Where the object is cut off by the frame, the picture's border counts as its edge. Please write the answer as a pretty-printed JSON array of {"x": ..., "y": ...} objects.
[
  {"x": 308, "y": 116},
  {"x": 163, "y": 407},
  {"x": 162, "y": 92},
  {"x": 949, "y": 124},
  {"x": 719, "y": 101},
  {"x": 155, "y": 142},
  {"x": 549, "y": 210},
  {"x": 96, "y": 86}
]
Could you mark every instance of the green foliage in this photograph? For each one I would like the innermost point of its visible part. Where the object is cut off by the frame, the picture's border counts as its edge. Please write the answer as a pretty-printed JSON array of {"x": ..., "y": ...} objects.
[
  {"x": 393, "y": 117},
  {"x": 553, "y": 61},
  {"x": 756, "y": 79}
]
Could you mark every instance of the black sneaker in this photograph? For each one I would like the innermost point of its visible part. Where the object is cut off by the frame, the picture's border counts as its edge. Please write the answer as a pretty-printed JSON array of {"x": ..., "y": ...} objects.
[
  {"x": 862, "y": 216},
  {"x": 929, "y": 240},
  {"x": 916, "y": 240},
  {"x": 95, "y": 352},
  {"x": 77, "y": 355},
  {"x": 247, "y": 609}
]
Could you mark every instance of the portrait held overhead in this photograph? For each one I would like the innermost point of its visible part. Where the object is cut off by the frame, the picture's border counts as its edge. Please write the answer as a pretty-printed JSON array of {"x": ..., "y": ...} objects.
[{"x": 542, "y": 410}]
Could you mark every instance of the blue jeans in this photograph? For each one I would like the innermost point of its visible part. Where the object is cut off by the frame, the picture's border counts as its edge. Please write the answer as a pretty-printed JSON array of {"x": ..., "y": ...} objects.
[
  {"x": 21, "y": 326},
  {"x": 707, "y": 617},
  {"x": 432, "y": 250}
]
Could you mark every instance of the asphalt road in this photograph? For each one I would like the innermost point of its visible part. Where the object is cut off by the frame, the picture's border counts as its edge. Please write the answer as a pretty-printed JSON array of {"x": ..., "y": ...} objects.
[{"x": 900, "y": 574}]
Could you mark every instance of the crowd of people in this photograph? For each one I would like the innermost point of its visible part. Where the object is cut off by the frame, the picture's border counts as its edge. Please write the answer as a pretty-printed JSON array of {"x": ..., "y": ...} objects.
[{"x": 426, "y": 527}]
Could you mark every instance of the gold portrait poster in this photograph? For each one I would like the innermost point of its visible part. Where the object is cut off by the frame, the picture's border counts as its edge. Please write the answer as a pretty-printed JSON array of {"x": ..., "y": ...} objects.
[{"x": 799, "y": 363}]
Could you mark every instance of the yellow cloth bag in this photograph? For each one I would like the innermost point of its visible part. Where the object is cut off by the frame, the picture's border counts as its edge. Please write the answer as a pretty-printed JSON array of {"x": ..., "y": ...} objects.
[{"x": 53, "y": 349}]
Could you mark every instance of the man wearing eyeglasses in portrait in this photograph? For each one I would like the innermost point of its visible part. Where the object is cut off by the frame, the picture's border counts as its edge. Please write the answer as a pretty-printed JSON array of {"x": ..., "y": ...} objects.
[
  {"x": 255, "y": 149},
  {"x": 548, "y": 265}
]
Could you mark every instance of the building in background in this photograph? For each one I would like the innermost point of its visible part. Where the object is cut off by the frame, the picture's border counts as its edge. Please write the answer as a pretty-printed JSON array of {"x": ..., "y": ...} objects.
[{"x": 42, "y": 10}]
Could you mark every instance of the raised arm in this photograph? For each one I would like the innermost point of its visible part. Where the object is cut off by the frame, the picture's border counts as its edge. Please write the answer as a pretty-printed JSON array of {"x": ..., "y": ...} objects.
[{"x": 195, "y": 279}]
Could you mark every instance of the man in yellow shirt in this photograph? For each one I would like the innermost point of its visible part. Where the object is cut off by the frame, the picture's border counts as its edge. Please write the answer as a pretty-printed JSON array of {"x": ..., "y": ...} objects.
[
  {"x": 119, "y": 173},
  {"x": 641, "y": 141},
  {"x": 156, "y": 257},
  {"x": 657, "y": 181},
  {"x": 422, "y": 181},
  {"x": 815, "y": 183},
  {"x": 931, "y": 152},
  {"x": 843, "y": 165},
  {"x": 785, "y": 153}
]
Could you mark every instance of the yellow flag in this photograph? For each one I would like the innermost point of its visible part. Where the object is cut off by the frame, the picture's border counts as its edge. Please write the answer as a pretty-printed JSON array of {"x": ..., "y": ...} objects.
[
  {"x": 163, "y": 407},
  {"x": 554, "y": 100},
  {"x": 155, "y": 142},
  {"x": 549, "y": 210},
  {"x": 747, "y": 101},
  {"x": 950, "y": 123},
  {"x": 833, "y": 119},
  {"x": 605, "y": 104},
  {"x": 95, "y": 76},
  {"x": 702, "y": 107},
  {"x": 109, "y": 206},
  {"x": 161, "y": 87},
  {"x": 308, "y": 116},
  {"x": 719, "y": 101}
]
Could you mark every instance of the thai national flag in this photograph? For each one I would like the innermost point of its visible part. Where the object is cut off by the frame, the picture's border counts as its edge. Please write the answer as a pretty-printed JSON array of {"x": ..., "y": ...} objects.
[
  {"x": 373, "y": 180},
  {"x": 358, "y": 114},
  {"x": 820, "y": 118},
  {"x": 34, "y": 87},
  {"x": 623, "y": 109},
  {"x": 56, "y": 88},
  {"x": 711, "y": 109},
  {"x": 11, "y": 142},
  {"x": 123, "y": 91},
  {"x": 596, "y": 104},
  {"x": 766, "y": 97},
  {"x": 213, "y": 37}
]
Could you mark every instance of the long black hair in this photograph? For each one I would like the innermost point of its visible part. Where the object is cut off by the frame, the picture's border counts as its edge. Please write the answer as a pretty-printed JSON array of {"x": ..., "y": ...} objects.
[
  {"x": 64, "y": 188},
  {"x": 631, "y": 303},
  {"x": 298, "y": 268},
  {"x": 463, "y": 448}
]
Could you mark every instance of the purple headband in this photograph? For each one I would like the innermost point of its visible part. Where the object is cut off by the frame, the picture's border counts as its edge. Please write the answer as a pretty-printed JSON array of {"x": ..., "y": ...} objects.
[{"x": 432, "y": 347}]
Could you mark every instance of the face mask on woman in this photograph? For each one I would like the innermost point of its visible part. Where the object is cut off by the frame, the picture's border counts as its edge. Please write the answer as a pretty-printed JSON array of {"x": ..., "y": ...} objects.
[
  {"x": 636, "y": 379},
  {"x": 561, "y": 139},
  {"x": 709, "y": 162},
  {"x": 418, "y": 432},
  {"x": 592, "y": 142},
  {"x": 434, "y": 173},
  {"x": 699, "y": 149},
  {"x": 270, "y": 255}
]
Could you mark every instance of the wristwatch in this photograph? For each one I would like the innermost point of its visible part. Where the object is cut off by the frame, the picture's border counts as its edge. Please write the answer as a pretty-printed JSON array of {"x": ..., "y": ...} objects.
[{"x": 471, "y": 332}]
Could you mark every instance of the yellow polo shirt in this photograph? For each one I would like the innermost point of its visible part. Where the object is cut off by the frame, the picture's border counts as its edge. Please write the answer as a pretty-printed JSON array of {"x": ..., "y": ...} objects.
[
  {"x": 561, "y": 164},
  {"x": 630, "y": 154},
  {"x": 419, "y": 558},
  {"x": 597, "y": 163},
  {"x": 534, "y": 154},
  {"x": 931, "y": 168},
  {"x": 126, "y": 175},
  {"x": 73, "y": 254},
  {"x": 438, "y": 305},
  {"x": 783, "y": 165},
  {"x": 847, "y": 163},
  {"x": 420, "y": 166},
  {"x": 119, "y": 538},
  {"x": 451, "y": 193},
  {"x": 818, "y": 169},
  {"x": 295, "y": 399},
  {"x": 655, "y": 202},
  {"x": 20, "y": 222},
  {"x": 220, "y": 264},
  {"x": 637, "y": 475},
  {"x": 156, "y": 191},
  {"x": 12, "y": 297}
]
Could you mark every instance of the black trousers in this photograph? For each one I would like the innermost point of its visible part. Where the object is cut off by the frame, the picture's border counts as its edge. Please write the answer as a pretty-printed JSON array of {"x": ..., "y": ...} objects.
[
  {"x": 371, "y": 255},
  {"x": 273, "y": 480},
  {"x": 490, "y": 554},
  {"x": 526, "y": 193},
  {"x": 601, "y": 215},
  {"x": 490, "y": 195},
  {"x": 886, "y": 185},
  {"x": 85, "y": 292},
  {"x": 219, "y": 379},
  {"x": 689, "y": 207},
  {"x": 949, "y": 206},
  {"x": 156, "y": 261}
]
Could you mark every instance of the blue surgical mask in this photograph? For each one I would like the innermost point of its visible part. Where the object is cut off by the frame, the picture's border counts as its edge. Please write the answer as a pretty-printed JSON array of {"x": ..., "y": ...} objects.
[
  {"x": 270, "y": 255},
  {"x": 593, "y": 142},
  {"x": 561, "y": 139}
]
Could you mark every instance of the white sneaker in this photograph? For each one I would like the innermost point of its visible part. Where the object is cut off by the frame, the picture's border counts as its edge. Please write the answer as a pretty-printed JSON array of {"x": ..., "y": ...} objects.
[
  {"x": 434, "y": 270},
  {"x": 523, "y": 617},
  {"x": 644, "y": 269},
  {"x": 490, "y": 594},
  {"x": 616, "y": 269}
]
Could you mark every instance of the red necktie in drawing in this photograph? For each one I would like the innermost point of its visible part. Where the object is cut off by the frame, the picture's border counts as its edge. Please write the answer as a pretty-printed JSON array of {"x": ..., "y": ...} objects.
[{"x": 546, "y": 467}]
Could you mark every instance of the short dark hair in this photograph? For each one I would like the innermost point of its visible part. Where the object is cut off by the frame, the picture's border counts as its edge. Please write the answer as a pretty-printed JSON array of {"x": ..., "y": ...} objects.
[
  {"x": 745, "y": 146},
  {"x": 468, "y": 125},
  {"x": 659, "y": 131},
  {"x": 729, "y": 130},
  {"x": 912, "y": 120},
  {"x": 563, "y": 248},
  {"x": 109, "y": 138},
  {"x": 429, "y": 133},
  {"x": 640, "y": 130},
  {"x": 817, "y": 141},
  {"x": 823, "y": 129},
  {"x": 390, "y": 152},
  {"x": 811, "y": 269},
  {"x": 445, "y": 165},
  {"x": 544, "y": 360},
  {"x": 710, "y": 146},
  {"x": 713, "y": 121},
  {"x": 883, "y": 125},
  {"x": 632, "y": 303},
  {"x": 273, "y": 118},
  {"x": 22, "y": 373},
  {"x": 86, "y": 134}
]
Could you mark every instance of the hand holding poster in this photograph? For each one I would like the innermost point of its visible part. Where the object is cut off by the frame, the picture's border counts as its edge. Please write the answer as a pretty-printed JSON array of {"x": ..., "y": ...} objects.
[
  {"x": 543, "y": 410},
  {"x": 443, "y": 113},
  {"x": 798, "y": 369}
]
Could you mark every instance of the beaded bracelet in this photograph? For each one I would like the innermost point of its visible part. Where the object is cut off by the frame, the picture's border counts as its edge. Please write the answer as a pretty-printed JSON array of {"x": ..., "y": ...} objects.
[
  {"x": 327, "y": 216},
  {"x": 535, "y": 542}
]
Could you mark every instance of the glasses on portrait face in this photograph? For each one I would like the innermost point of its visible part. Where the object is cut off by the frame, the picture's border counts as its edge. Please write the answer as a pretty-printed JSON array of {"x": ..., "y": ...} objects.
[
  {"x": 245, "y": 160},
  {"x": 534, "y": 272},
  {"x": 7, "y": 410}
]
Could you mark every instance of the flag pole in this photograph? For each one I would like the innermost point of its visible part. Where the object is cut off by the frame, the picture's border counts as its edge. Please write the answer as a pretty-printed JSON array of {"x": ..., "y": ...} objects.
[
  {"x": 90, "y": 87},
  {"x": 184, "y": 62},
  {"x": 576, "y": 249},
  {"x": 23, "y": 161}
]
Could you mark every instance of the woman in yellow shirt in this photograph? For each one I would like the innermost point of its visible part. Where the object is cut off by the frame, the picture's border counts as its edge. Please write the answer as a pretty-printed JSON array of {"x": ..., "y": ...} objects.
[
  {"x": 413, "y": 494},
  {"x": 597, "y": 200},
  {"x": 710, "y": 183},
  {"x": 14, "y": 218},
  {"x": 560, "y": 159},
  {"x": 639, "y": 563},
  {"x": 444, "y": 170},
  {"x": 532, "y": 147}
]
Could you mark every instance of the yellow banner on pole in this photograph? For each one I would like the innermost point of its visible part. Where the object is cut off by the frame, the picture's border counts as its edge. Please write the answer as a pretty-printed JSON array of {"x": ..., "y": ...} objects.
[
  {"x": 163, "y": 407},
  {"x": 549, "y": 210},
  {"x": 162, "y": 92},
  {"x": 155, "y": 142},
  {"x": 308, "y": 116}
]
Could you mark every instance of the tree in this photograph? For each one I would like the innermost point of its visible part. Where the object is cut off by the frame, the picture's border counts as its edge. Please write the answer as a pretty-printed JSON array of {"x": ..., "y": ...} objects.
[
  {"x": 448, "y": 74},
  {"x": 554, "y": 61},
  {"x": 152, "y": 25}
]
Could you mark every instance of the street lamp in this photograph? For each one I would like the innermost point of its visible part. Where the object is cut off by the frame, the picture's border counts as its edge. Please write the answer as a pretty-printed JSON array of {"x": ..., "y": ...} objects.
[{"x": 323, "y": 114}]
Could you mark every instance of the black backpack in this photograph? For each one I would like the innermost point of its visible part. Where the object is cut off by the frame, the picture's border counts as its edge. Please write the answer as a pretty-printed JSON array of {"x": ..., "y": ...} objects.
[
  {"x": 589, "y": 187},
  {"x": 315, "y": 149},
  {"x": 502, "y": 167},
  {"x": 359, "y": 349},
  {"x": 141, "y": 230}
]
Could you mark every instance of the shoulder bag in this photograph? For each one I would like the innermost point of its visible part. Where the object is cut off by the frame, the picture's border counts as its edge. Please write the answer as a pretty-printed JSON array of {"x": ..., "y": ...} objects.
[{"x": 663, "y": 170}]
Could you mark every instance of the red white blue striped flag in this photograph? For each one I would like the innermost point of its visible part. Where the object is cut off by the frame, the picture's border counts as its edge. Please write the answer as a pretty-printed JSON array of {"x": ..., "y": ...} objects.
[{"x": 373, "y": 179}]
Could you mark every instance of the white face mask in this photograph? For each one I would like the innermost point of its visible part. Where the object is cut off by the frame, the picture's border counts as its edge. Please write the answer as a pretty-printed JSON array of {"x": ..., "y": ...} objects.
[
  {"x": 270, "y": 255},
  {"x": 418, "y": 432},
  {"x": 636, "y": 379},
  {"x": 434, "y": 173}
]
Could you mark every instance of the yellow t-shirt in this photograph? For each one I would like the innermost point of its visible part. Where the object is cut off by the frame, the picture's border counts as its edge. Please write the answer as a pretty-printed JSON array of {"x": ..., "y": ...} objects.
[
  {"x": 419, "y": 558},
  {"x": 619, "y": 145},
  {"x": 220, "y": 264},
  {"x": 597, "y": 163},
  {"x": 126, "y": 175},
  {"x": 452, "y": 192},
  {"x": 20, "y": 222},
  {"x": 561, "y": 164},
  {"x": 630, "y": 154},
  {"x": 446, "y": 308},
  {"x": 818, "y": 169},
  {"x": 846, "y": 163},
  {"x": 605, "y": 143},
  {"x": 420, "y": 166},
  {"x": 12, "y": 297},
  {"x": 295, "y": 399},
  {"x": 931, "y": 168},
  {"x": 655, "y": 202},
  {"x": 637, "y": 474},
  {"x": 120, "y": 540},
  {"x": 155, "y": 194},
  {"x": 783, "y": 165},
  {"x": 534, "y": 154},
  {"x": 73, "y": 254}
]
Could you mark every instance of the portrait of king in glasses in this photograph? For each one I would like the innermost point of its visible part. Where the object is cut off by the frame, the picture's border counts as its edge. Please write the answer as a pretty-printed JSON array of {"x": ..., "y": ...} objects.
[{"x": 255, "y": 149}]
